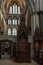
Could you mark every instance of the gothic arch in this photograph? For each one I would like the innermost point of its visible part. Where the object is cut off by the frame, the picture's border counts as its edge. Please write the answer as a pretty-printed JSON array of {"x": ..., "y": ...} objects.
[
  {"x": 22, "y": 3},
  {"x": 19, "y": 2}
]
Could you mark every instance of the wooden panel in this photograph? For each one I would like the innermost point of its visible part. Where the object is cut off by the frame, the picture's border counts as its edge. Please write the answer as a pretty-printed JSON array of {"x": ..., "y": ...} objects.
[
  {"x": 24, "y": 52},
  {"x": 38, "y": 47}
]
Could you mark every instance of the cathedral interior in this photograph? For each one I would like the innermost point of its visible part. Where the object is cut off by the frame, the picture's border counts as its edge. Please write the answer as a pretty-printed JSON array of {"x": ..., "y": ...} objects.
[{"x": 21, "y": 31}]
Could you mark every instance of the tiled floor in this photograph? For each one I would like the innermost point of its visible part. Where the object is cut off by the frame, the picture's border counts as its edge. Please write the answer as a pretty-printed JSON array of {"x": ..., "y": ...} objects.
[{"x": 9, "y": 62}]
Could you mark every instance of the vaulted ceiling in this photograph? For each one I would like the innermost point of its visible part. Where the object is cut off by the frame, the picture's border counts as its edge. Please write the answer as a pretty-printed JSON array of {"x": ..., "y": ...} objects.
[
  {"x": 10, "y": 2},
  {"x": 24, "y": 4},
  {"x": 30, "y": 3}
]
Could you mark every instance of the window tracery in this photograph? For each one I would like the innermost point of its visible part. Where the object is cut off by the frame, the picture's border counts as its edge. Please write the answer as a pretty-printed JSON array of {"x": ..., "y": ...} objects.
[{"x": 14, "y": 10}]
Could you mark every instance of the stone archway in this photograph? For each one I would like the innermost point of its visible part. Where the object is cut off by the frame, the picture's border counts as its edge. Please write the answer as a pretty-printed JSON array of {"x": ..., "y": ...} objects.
[{"x": 6, "y": 49}]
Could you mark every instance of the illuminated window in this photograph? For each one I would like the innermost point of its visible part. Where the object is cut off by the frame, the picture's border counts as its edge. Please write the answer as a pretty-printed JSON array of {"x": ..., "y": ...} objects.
[
  {"x": 19, "y": 22},
  {"x": 9, "y": 21},
  {"x": 14, "y": 8},
  {"x": 14, "y": 21},
  {"x": 14, "y": 31},
  {"x": 9, "y": 31},
  {"x": 18, "y": 10},
  {"x": 10, "y": 9}
]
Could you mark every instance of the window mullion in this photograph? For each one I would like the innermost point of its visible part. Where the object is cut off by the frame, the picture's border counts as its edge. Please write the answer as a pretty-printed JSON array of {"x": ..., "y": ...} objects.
[{"x": 12, "y": 9}]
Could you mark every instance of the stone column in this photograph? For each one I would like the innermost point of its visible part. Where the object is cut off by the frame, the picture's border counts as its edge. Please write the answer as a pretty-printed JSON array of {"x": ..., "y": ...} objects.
[
  {"x": 41, "y": 20},
  {"x": 37, "y": 5},
  {"x": 37, "y": 20},
  {"x": 30, "y": 40},
  {"x": 0, "y": 49},
  {"x": 33, "y": 24},
  {"x": 40, "y": 4}
]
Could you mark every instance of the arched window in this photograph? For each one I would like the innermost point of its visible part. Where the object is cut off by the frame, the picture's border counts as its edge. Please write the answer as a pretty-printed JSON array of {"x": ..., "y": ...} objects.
[
  {"x": 11, "y": 9},
  {"x": 18, "y": 10},
  {"x": 14, "y": 31},
  {"x": 14, "y": 9},
  {"x": 18, "y": 21},
  {"x": 14, "y": 21},
  {"x": 9, "y": 21},
  {"x": 9, "y": 31}
]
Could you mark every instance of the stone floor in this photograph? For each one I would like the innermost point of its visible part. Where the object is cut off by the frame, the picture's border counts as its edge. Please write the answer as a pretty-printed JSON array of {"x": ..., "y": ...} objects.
[
  {"x": 10, "y": 62},
  {"x": 6, "y": 61},
  {"x": 5, "y": 57}
]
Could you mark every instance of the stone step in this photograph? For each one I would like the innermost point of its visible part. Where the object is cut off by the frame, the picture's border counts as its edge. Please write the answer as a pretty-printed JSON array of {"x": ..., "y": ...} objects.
[{"x": 5, "y": 57}]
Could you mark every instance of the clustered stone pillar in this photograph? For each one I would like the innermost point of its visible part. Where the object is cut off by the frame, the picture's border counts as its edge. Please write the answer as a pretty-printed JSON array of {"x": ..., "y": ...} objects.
[
  {"x": 34, "y": 22},
  {"x": 40, "y": 14}
]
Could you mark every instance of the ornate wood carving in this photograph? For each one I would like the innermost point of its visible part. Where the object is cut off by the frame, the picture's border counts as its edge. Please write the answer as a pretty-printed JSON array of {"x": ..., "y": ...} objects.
[{"x": 23, "y": 51}]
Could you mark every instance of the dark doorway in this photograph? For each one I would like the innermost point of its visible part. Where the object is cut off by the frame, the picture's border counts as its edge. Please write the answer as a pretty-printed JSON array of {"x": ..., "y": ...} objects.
[{"x": 6, "y": 49}]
